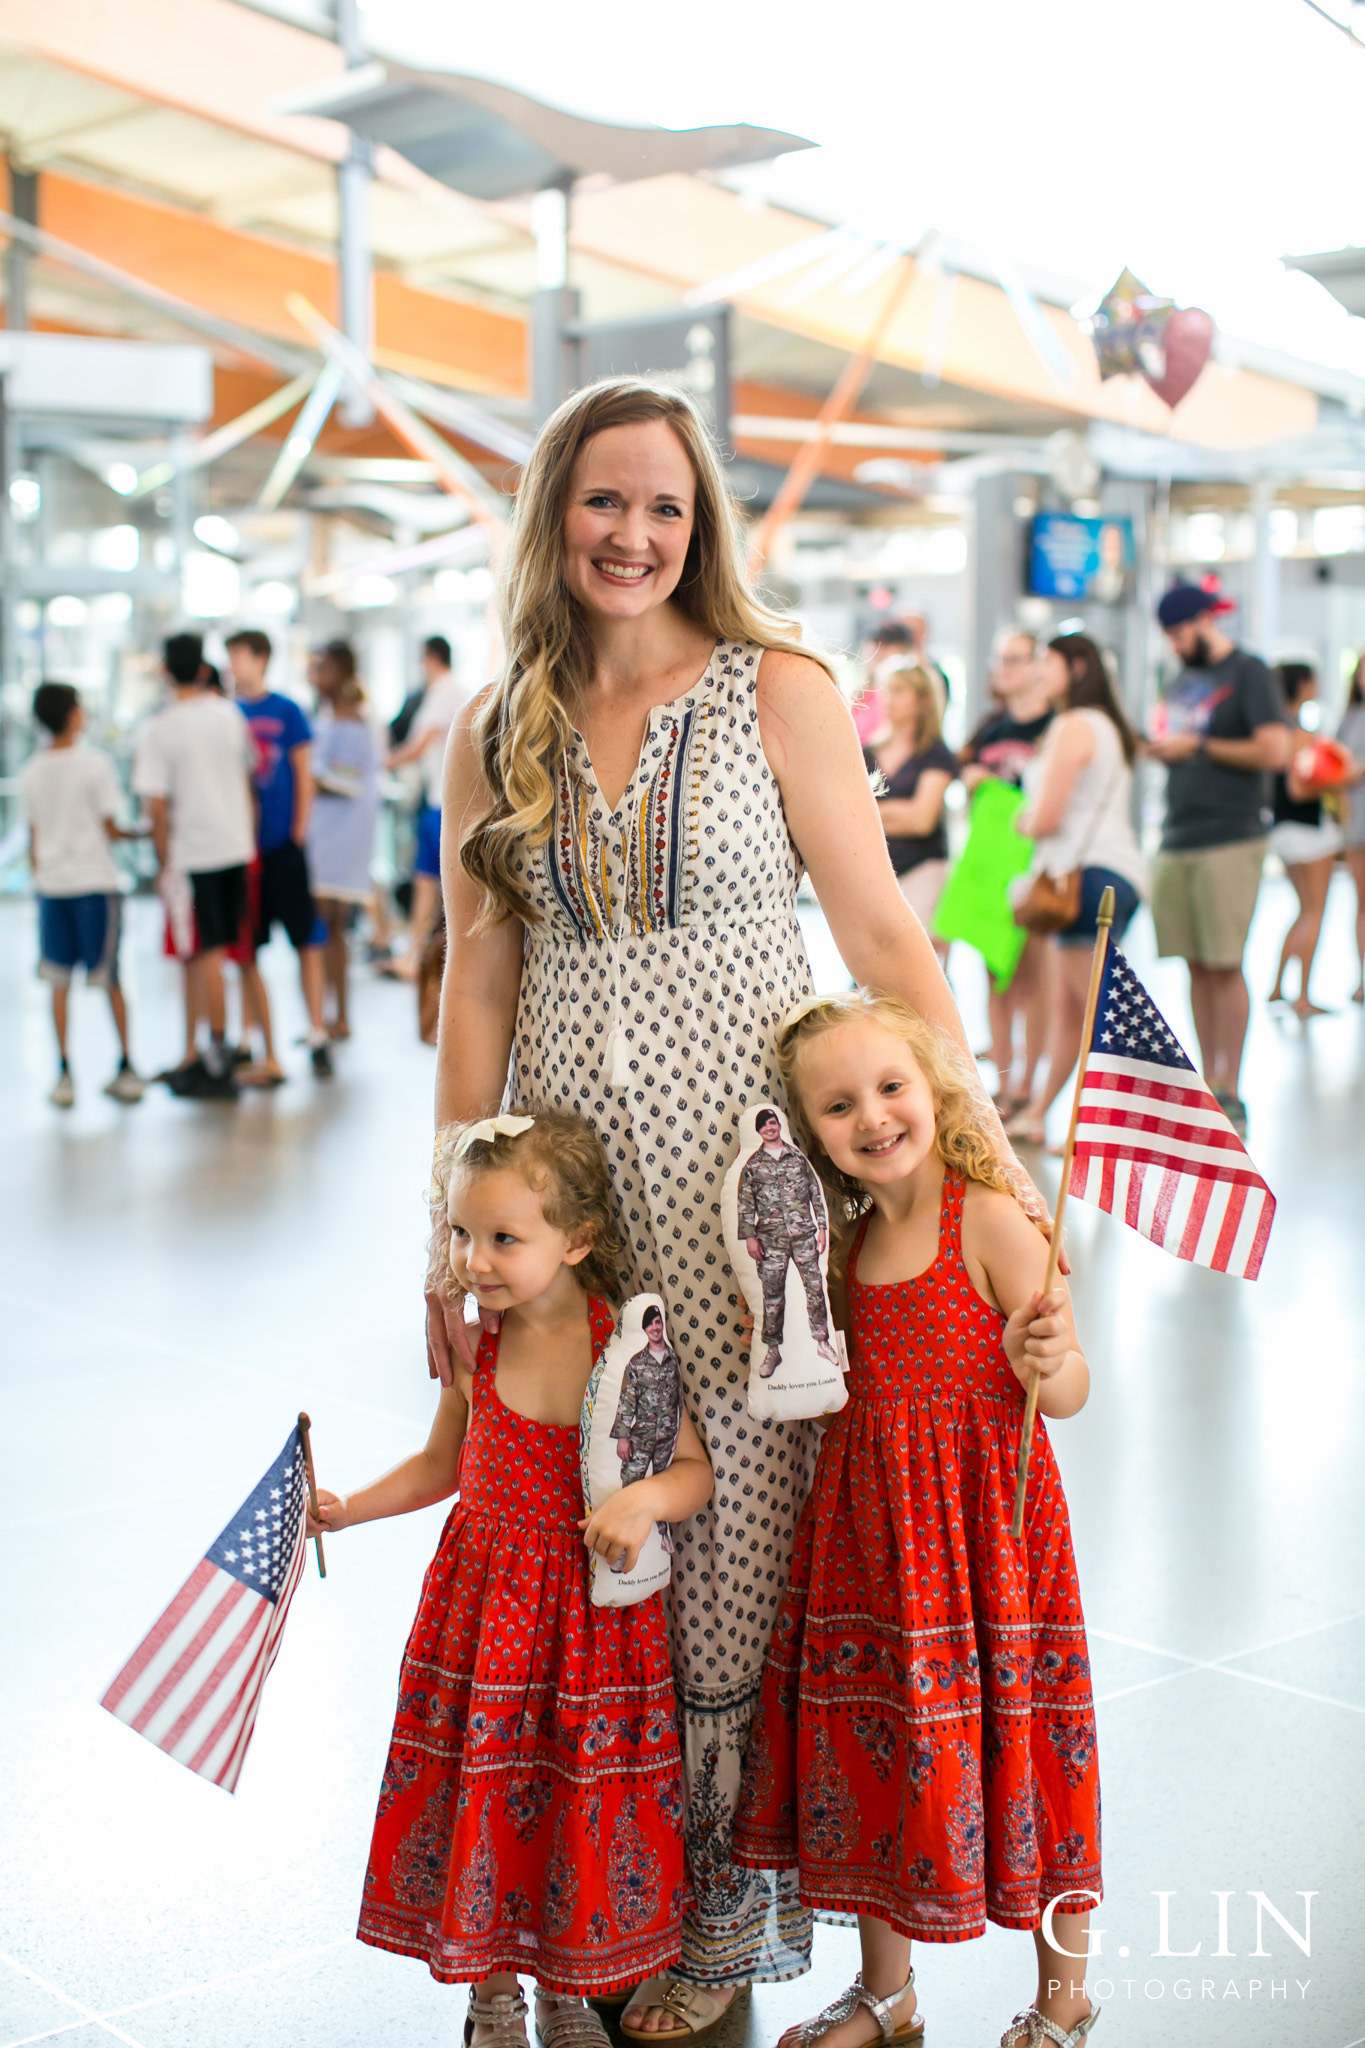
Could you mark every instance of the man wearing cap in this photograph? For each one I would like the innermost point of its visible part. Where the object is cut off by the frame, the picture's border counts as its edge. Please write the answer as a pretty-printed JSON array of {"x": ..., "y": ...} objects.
[{"x": 1222, "y": 730}]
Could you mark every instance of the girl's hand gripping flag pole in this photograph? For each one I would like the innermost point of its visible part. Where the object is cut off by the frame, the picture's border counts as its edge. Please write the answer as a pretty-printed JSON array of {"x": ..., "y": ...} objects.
[
  {"x": 1149, "y": 1143},
  {"x": 1103, "y": 920}
]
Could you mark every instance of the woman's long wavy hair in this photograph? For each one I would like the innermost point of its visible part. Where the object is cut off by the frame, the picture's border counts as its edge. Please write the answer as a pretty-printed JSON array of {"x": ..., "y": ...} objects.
[
  {"x": 523, "y": 726},
  {"x": 966, "y": 1142}
]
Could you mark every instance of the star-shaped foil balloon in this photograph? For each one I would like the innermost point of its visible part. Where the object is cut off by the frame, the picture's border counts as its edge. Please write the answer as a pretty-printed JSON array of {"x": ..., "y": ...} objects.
[{"x": 1128, "y": 328}]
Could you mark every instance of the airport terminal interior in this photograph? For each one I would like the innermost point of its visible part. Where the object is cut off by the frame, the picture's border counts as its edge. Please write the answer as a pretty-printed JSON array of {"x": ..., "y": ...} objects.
[{"x": 290, "y": 289}]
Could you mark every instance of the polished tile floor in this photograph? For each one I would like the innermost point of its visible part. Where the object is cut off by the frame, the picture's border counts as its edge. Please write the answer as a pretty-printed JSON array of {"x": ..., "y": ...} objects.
[{"x": 177, "y": 1280}]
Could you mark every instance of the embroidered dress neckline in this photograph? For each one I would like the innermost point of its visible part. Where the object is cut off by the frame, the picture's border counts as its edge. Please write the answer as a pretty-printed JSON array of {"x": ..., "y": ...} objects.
[{"x": 677, "y": 707}]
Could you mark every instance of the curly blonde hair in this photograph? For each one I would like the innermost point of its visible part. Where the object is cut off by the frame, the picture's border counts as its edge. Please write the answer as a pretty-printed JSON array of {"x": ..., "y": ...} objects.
[
  {"x": 561, "y": 1158},
  {"x": 523, "y": 725},
  {"x": 964, "y": 1138}
]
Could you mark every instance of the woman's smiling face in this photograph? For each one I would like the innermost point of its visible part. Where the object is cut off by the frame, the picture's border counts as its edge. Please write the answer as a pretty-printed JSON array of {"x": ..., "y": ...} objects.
[
  {"x": 867, "y": 1101},
  {"x": 629, "y": 519}
]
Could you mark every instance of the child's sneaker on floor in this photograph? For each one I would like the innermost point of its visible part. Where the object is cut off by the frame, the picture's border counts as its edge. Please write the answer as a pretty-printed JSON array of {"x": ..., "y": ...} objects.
[
  {"x": 64, "y": 1094},
  {"x": 126, "y": 1086}
]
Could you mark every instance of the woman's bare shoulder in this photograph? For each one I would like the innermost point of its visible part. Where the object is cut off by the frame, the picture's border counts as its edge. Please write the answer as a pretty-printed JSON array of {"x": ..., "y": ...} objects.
[{"x": 784, "y": 669}]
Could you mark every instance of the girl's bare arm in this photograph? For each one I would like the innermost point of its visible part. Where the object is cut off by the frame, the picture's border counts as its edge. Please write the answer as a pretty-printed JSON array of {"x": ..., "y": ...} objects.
[
  {"x": 431, "y": 1474},
  {"x": 623, "y": 1522},
  {"x": 1007, "y": 1263}
]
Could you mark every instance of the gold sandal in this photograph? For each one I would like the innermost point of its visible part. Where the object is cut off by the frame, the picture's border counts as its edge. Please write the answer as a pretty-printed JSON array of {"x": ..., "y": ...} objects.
[
  {"x": 569, "y": 2023},
  {"x": 504, "y": 2016},
  {"x": 1029, "y": 2029},
  {"x": 696, "y": 2005},
  {"x": 847, "y": 2003}
]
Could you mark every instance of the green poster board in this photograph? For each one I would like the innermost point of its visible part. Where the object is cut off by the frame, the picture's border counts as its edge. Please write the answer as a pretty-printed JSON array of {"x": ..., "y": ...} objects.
[{"x": 975, "y": 903}]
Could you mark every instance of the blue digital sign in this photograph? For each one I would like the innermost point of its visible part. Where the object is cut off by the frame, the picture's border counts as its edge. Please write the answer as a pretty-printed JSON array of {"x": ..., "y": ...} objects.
[{"x": 1086, "y": 558}]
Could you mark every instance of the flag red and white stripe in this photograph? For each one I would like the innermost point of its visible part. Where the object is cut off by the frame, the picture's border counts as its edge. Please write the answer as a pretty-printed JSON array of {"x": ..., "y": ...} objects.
[
  {"x": 1153, "y": 1146},
  {"x": 193, "y": 1685}
]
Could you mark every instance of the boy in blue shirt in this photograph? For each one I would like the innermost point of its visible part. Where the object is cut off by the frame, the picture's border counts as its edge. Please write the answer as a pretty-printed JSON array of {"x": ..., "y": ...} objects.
[{"x": 283, "y": 778}]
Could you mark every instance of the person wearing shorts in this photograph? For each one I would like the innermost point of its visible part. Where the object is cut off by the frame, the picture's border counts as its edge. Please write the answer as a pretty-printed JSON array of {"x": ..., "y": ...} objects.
[
  {"x": 282, "y": 741},
  {"x": 192, "y": 770},
  {"x": 442, "y": 702},
  {"x": 70, "y": 799},
  {"x": 1222, "y": 730}
]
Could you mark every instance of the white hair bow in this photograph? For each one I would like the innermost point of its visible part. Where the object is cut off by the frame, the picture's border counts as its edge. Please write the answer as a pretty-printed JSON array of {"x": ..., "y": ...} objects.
[{"x": 493, "y": 1127}]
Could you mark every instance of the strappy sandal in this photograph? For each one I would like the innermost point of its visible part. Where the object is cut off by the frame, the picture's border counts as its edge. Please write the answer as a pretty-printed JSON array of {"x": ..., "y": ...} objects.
[
  {"x": 570, "y": 2024},
  {"x": 504, "y": 2016},
  {"x": 696, "y": 2005},
  {"x": 1029, "y": 2029},
  {"x": 847, "y": 2003}
]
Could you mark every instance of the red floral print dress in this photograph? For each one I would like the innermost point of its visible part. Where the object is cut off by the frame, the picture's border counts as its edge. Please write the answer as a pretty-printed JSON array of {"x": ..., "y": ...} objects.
[
  {"x": 924, "y": 1749},
  {"x": 530, "y": 1816}
]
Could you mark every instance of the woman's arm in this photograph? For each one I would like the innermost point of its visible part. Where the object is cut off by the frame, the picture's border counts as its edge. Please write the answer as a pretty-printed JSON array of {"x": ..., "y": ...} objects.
[
  {"x": 479, "y": 993},
  {"x": 812, "y": 749},
  {"x": 483, "y": 968},
  {"x": 1069, "y": 747},
  {"x": 1007, "y": 1263},
  {"x": 915, "y": 817},
  {"x": 431, "y": 1475},
  {"x": 623, "y": 1522}
]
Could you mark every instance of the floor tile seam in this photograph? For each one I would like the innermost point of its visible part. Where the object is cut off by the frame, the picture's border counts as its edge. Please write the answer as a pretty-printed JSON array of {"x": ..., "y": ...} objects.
[
  {"x": 89, "y": 2016},
  {"x": 182, "y": 1355},
  {"x": 1298, "y": 1636},
  {"x": 1145, "y": 1684},
  {"x": 1300, "y": 1692},
  {"x": 1228, "y": 1656},
  {"x": 1321, "y": 1699}
]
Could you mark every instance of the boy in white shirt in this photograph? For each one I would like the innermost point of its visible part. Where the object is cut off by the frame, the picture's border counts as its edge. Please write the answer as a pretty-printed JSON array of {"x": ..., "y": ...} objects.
[
  {"x": 193, "y": 772},
  {"x": 70, "y": 798}
]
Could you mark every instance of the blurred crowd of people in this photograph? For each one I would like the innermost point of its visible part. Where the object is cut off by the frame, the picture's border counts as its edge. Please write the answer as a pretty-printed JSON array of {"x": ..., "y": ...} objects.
[
  {"x": 1246, "y": 771},
  {"x": 260, "y": 818}
]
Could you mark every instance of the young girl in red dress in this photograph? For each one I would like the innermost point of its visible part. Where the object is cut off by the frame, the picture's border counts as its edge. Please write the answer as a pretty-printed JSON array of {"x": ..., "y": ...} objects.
[
  {"x": 530, "y": 1816},
  {"x": 924, "y": 1750}
]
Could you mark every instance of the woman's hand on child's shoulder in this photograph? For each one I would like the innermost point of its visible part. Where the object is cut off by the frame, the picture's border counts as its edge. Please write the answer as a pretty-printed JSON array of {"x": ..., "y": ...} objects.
[{"x": 331, "y": 1515}]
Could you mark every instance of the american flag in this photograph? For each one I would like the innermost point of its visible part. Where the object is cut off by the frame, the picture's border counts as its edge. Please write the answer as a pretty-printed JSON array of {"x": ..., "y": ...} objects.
[
  {"x": 1152, "y": 1145},
  {"x": 194, "y": 1684}
]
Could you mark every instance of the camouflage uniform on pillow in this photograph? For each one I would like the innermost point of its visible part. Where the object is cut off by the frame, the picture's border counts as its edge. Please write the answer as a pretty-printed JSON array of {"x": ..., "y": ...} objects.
[
  {"x": 781, "y": 1206},
  {"x": 649, "y": 1413}
]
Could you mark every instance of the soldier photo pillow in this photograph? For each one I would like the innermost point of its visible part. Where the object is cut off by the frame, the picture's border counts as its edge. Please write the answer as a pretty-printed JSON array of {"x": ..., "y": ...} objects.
[
  {"x": 777, "y": 1234},
  {"x": 632, "y": 1411}
]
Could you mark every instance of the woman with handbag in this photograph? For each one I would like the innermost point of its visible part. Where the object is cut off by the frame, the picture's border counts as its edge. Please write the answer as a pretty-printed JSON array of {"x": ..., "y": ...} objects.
[{"x": 1079, "y": 794}]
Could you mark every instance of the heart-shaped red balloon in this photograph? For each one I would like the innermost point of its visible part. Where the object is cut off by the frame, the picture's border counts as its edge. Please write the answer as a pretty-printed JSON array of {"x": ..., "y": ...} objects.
[{"x": 1186, "y": 340}]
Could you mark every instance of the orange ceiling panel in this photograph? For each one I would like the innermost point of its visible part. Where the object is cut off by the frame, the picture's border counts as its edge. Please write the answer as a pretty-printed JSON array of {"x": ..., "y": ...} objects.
[{"x": 247, "y": 279}]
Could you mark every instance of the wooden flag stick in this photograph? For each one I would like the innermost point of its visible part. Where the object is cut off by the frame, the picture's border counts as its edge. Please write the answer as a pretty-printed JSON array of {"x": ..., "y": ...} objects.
[
  {"x": 1103, "y": 920},
  {"x": 304, "y": 1426}
]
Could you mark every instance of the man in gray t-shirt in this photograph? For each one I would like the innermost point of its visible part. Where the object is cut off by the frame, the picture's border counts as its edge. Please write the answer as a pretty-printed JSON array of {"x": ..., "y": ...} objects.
[{"x": 1222, "y": 730}]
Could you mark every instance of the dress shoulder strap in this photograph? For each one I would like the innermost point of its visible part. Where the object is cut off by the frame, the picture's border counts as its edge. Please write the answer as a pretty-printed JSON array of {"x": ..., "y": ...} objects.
[
  {"x": 851, "y": 1262},
  {"x": 950, "y": 1217},
  {"x": 486, "y": 1357},
  {"x": 602, "y": 1324}
]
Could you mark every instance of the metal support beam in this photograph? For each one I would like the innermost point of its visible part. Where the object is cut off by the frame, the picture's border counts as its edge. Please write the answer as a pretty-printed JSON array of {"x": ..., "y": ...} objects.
[
  {"x": 355, "y": 264},
  {"x": 23, "y": 204},
  {"x": 552, "y": 372}
]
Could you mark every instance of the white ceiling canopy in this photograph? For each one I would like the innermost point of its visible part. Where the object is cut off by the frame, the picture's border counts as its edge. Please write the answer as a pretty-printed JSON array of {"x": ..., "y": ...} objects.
[{"x": 489, "y": 142}]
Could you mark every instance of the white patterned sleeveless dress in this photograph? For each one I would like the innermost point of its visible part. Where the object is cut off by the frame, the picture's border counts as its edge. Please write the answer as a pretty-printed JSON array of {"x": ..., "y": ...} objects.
[{"x": 671, "y": 924}]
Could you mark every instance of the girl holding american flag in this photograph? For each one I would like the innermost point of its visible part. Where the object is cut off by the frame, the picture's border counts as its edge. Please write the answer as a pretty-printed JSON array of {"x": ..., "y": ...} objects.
[{"x": 924, "y": 1751}]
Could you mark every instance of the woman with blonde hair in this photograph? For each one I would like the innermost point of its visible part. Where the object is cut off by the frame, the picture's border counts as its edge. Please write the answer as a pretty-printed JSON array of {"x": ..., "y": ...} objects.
[
  {"x": 915, "y": 770},
  {"x": 630, "y": 807}
]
